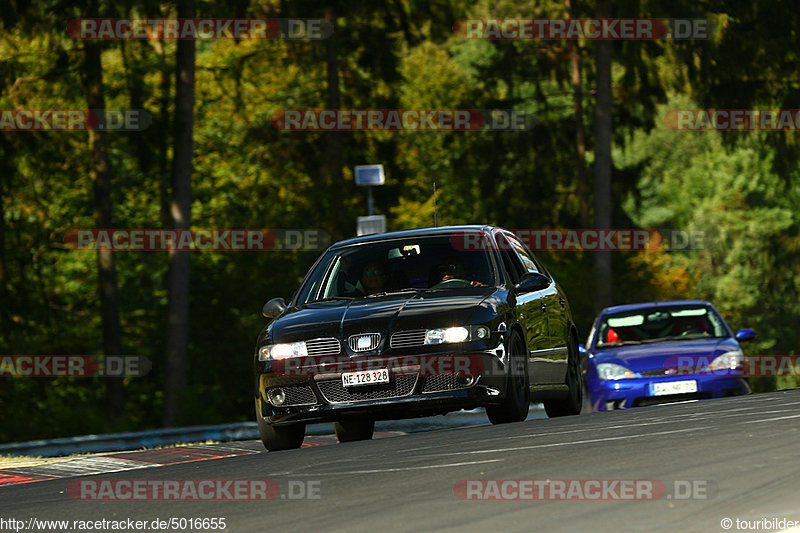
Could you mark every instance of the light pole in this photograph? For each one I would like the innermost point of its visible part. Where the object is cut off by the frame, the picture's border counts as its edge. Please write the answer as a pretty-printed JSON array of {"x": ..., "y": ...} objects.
[{"x": 369, "y": 176}]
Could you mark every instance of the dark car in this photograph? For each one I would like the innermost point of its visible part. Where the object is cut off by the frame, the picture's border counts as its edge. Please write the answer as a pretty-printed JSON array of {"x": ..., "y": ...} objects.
[
  {"x": 411, "y": 324},
  {"x": 663, "y": 352}
]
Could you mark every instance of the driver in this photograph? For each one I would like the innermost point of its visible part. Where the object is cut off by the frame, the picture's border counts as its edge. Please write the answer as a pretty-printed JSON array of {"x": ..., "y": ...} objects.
[
  {"x": 374, "y": 278},
  {"x": 452, "y": 268}
]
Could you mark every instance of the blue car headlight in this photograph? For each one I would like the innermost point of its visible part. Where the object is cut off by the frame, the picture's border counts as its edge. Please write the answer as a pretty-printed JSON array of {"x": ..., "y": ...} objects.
[
  {"x": 733, "y": 360},
  {"x": 611, "y": 371}
]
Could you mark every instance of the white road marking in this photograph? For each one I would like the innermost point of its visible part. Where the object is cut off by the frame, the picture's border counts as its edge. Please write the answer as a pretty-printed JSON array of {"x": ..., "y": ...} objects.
[
  {"x": 572, "y": 443},
  {"x": 645, "y": 422},
  {"x": 382, "y": 470},
  {"x": 593, "y": 428},
  {"x": 86, "y": 466},
  {"x": 770, "y": 419},
  {"x": 215, "y": 448}
]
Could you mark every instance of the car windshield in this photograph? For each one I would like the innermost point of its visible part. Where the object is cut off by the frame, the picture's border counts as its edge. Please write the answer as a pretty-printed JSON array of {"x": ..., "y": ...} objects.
[
  {"x": 368, "y": 270},
  {"x": 660, "y": 324}
]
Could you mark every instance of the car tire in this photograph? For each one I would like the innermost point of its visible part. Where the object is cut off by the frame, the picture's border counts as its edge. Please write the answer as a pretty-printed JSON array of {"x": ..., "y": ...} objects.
[
  {"x": 518, "y": 395},
  {"x": 587, "y": 400},
  {"x": 573, "y": 403},
  {"x": 276, "y": 438},
  {"x": 354, "y": 429}
]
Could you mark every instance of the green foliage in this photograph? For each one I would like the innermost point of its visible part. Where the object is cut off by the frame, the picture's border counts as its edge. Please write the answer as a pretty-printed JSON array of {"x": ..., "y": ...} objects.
[
  {"x": 740, "y": 189},
  {"x": 747, "y": 213}
]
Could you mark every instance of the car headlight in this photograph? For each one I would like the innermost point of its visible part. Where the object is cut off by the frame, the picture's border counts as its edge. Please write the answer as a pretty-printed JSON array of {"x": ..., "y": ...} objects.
[
  {"x": 455, "y": 334},
  {"x": 610, "y": 371},
  {"x": 728, "y": 361},
  {"x": 282, "y": 351}
]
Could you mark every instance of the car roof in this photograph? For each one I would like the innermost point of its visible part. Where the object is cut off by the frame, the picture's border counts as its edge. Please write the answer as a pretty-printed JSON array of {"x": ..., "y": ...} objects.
[
  {"x": 443, "y": 230},
  {"x": 650, "y": 305}
]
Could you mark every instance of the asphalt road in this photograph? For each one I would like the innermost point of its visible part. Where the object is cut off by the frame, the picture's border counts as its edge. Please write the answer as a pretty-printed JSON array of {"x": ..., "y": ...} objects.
[{"x": 741, "y": 456}]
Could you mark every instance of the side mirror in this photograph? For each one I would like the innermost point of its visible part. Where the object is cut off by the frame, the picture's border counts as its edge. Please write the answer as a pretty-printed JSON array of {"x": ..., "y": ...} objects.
[
  {"x": 532, "y": 282},
  {"x": 274, "y": 307},
  {"x": 745, "y": 334},
  {"x": 582, "y": 349}
]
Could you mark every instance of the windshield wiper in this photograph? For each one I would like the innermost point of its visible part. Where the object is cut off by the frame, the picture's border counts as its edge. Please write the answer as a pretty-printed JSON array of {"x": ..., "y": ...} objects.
[
  {"x": 398, "y": 291},
  {"x": 618, "y": 343},
  {"x": 331, "y": 299},
  {"x": 670, "y": 338}
]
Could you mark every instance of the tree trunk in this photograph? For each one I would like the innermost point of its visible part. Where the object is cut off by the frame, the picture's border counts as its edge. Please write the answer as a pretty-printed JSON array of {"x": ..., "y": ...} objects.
[
  {"x": 101, "y": 183},
  {"x": 333, "y": 140},
  {"x": 7, "y": 169},
  {"x": 580, "y": 133},
  {"x": 180, "y": 211},
  {"x": 133, "y": 77},
  {"x": 162, "y": 121},
  {"x": 602, "y": 165}
]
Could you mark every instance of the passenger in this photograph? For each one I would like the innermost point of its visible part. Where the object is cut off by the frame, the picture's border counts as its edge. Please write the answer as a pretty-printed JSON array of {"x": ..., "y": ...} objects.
[{"x": 347, "y": 282}]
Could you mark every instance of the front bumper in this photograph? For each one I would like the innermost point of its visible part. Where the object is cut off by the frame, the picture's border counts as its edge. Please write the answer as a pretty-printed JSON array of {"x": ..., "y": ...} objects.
[
  {"x": 637, "y": 392},
  {"x": 410, "y": 393}
]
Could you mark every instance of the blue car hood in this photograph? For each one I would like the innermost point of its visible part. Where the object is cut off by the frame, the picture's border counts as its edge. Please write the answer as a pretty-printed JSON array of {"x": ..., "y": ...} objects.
[{"x": 657, "y": 355}]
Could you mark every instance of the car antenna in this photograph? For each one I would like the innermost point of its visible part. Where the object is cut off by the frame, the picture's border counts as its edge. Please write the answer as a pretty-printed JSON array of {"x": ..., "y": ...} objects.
[{"x": 434, "y": 204}]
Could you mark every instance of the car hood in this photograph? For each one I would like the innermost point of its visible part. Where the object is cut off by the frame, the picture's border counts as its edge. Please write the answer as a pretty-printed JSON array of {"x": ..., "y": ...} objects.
[
  {"x": 657, "y": 355},
  {"x": 376, "y": 315}
]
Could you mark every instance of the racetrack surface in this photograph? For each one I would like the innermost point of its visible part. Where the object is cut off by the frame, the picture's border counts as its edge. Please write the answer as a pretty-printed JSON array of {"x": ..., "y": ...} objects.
[{"x": 743, "y": 453}]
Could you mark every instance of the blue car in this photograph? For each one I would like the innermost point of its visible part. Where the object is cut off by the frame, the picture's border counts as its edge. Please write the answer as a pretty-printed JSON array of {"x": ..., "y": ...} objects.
[{"x": 662, "y": 352}]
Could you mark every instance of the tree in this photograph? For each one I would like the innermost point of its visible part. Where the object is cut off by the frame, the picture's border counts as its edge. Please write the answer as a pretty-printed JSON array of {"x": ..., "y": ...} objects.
[
  {"x": 580, "y": 132},
  {"x": 181, "y": 212},
  {"x": 603, "y": 127},
  {"x": 101, "y": 184}
]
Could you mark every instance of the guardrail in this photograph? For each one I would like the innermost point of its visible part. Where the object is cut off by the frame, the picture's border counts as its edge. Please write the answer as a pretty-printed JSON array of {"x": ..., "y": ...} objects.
[{"x": 114, "y": 442}]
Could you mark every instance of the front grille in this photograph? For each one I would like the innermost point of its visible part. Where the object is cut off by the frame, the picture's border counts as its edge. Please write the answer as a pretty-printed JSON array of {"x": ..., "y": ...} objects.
[
  {"x": 443, "y": 382},
  {"x": 407, "y": 339},
  {"x": 335, "y": 392},
  {"x": 364, "y": 342},
  {"x": 682, "y": 371},
  {"x": 326, "y": 346},
  {"x": 296, "y": 395}
]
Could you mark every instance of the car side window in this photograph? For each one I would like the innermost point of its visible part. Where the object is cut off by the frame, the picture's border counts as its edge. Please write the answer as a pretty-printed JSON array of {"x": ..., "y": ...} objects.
[
  {"x": 524, "y": 256},
  {"x": 511, "y": 262}
]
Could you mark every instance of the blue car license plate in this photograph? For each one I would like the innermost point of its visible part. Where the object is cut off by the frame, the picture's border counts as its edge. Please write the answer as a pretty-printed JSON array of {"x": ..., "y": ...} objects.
[{"x": 673, "y": 387}]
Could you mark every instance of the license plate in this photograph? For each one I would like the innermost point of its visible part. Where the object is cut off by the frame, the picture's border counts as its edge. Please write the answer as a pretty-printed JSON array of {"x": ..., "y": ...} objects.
[
  {"x": 673, "y": 387},
  {"x": 365, "y": 377}
]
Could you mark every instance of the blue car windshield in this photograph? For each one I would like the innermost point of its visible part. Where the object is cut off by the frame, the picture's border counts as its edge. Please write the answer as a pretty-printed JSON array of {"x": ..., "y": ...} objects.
[
  {"x": 660, "y": 324},
  {"x": 374, "y": 269}
]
